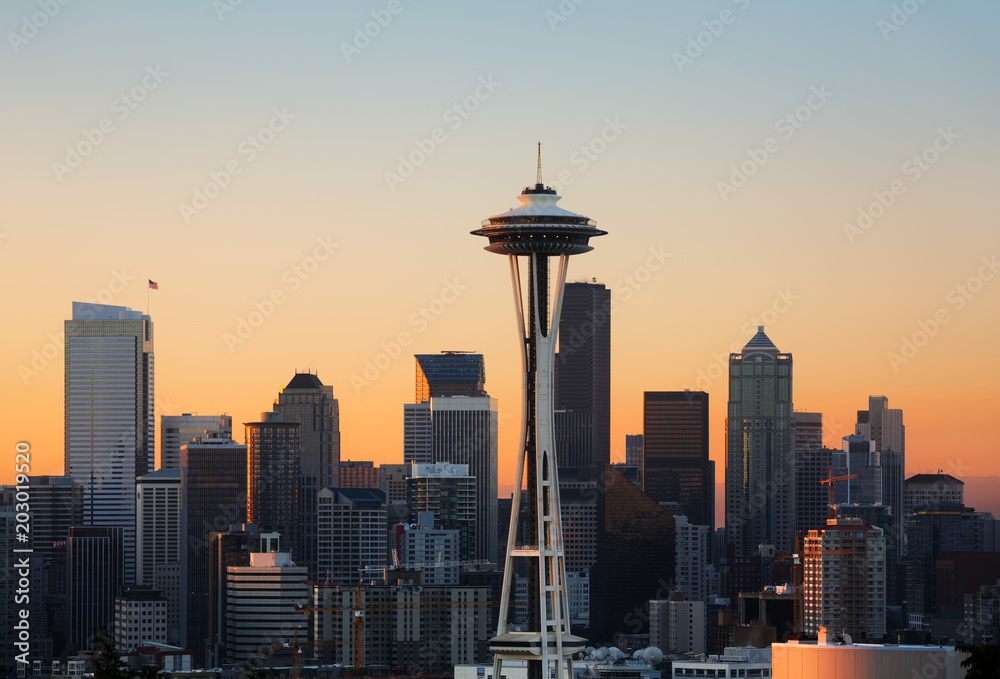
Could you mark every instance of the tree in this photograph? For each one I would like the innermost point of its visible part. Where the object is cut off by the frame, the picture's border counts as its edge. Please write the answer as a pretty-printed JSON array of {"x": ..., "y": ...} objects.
[
  {"x": 109, "y": 665},
  {"x": 983, "y": 661}
]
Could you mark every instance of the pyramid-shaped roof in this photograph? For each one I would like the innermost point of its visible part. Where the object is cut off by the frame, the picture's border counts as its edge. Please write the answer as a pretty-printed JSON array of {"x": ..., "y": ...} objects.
[
  {"x": 304, "y": 381},
  {"x": 760, "y": 342}
]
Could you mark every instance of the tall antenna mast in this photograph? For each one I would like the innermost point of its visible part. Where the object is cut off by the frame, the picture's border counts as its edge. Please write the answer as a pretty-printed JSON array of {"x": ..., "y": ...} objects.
[{"x": 539, "y": 180}]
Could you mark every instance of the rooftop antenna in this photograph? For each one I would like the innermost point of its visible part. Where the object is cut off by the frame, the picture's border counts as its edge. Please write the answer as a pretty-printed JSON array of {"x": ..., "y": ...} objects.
[{"x": 539, "y": 180}]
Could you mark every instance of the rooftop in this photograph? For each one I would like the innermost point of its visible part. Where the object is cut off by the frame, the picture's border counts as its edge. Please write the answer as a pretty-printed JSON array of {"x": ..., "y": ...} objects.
[{"x": 305, "y": 381}]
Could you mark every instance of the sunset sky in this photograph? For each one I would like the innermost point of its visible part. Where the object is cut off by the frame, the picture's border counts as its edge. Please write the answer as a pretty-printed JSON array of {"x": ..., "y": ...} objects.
[{"x": 828, "y": 170}]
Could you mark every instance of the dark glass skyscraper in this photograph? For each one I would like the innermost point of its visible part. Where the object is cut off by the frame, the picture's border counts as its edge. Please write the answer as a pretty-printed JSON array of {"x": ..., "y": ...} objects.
[
  {"x": 309, "y": 402},
  {"x": 213, "y": 496},
  {"x": 274, "y": 477},
  {"x": 95, "y": 573},
  {"x": 675, "y": 465},
  {"x": 583, "y": 368},
  {"x": 760, "y": 481},
  {"x": 636, "y": 534}
]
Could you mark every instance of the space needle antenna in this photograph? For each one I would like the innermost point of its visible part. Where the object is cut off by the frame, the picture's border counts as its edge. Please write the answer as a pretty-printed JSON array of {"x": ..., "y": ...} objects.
[{"x": 539, "y": 180}]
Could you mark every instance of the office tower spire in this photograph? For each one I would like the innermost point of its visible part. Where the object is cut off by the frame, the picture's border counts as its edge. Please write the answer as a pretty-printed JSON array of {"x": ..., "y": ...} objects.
[
  {"x": 760, "y": 498},
  {"x": 109, "y": 425},
  {"x": 538, "y": 230}
]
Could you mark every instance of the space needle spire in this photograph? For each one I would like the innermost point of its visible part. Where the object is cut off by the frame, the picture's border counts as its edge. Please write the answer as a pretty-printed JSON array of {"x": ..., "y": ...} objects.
[{"x": 538, "y": 231}]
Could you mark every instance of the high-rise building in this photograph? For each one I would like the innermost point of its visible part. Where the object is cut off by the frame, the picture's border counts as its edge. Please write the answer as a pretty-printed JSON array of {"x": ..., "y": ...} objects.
[
  {"x": 844, "y": 567},
  {"x": 432, "y": 550},
  {"x": 691, "y": 549},
  {"x": 110, "y": 430},
  {"x": 677, "y": 625},
  {"x": 465, "y": 430},
  {"x": 158, "y": 523},
  {"x": 537, "y": 231},
  {"x": 813, "y": 462},
  {"x": 56, "y": 505},
  {"x": 95, "y": 574},
  {"x": 631, "y": 529},
  {"x": 932, "y": 489},
  {"x": 360, "y": 474},
  {"x": 450, "y": 373},
  {"x": 878, "y": 516},
  {"x": 760, "y": 474},
  {"x": 633, "y": 450},
  {"x": 176, "y": 430},
  {"x": 858, "y": 459},
  {"x": 140, "y": 618},
  {"x": 675, "y": 465},
  {"x": 448, "y": 492},
  {"x": 309, "y": 402},
  {"x": 352, "y": 533},
  {"x": 932, "y": 531},
  {"x": 273, "y": 455},
  {"x": 884, "y": 426},
  {"x": 229, "y": 548},
  {"x": 394, "y": 482},
  {"x": 583, "y": 367},
  {"x": 261, "y": 604},
  {"x": 9, "y": 610},
  {"x": 415, "y": 626},
  {"x": 417, "y": 433},
  {"x": 574, "y": 433},
  {"x": 578, "y": 488},
  {"x": 213, "y": 496}
]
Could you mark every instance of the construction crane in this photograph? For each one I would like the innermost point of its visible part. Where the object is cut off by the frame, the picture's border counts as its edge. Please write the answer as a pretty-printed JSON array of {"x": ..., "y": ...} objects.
[{"x": 828, "y": 482}]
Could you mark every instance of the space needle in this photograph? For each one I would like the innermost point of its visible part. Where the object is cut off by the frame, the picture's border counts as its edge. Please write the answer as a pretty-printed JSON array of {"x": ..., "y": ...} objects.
[{"x": 538, "y": 230}]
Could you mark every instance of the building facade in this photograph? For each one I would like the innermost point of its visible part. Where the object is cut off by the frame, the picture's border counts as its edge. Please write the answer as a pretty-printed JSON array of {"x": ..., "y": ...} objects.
[
  {"x": 213, "y": 496},
  {"x": 176, "y": 430},
  {"x": 352, "y": 533},
  {"x": 675, "y": 465},
  {"x": 844, "y": 569},
  {"x": 760, "y": 473},
  {"x": 465, "y": 431},
  {"x": 140, "y": 618},
  {"x": 306, "y": 400},
  {"x": 583, "y": 367},
  {"x": 159, "y": 531},
  {"x": 110, "y": 429},
  {"x": 262, "y": 602},
  {"x": 448, "y": 491},
  {"x": 274, "y": 476},
  {"x": 95, "y": 572}
]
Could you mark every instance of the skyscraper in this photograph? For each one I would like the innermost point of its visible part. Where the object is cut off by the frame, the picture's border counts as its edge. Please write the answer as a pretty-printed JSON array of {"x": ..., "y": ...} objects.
[
  {"x": 417, "y": 433},
  {"x": 110, "y": 430},
  {"x": 633, "y": 450},
  {"x": 450, "y": 373},
  {"x": 583, "y": 365},
  {"x": 176, "y": 430},
  {"x": 158, "y": 523},
  {"x": 465, "y": 430},
  {"x": 308, "y": 401},
  {"x": 213, "y": 496},
  {"x": 845, "y": 567},
  {"x": 636, "y": 555},
  {"x": 675, "y": 466},
  {"x": 812, "y": 465},
  {"x": 884, "y": 426},
  {"x": 273, "y": 456},
  {"x": 536, "y": 231},
  {"x": 352, "y": 533},
  {"x": 95, "y": 574},
  {"x": 760, "y": 472},
  {"x": 447, "y": 491}
]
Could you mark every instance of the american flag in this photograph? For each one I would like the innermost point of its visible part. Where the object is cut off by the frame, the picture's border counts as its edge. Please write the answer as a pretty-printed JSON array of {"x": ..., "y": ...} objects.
[{"x": 153, "y": 285}]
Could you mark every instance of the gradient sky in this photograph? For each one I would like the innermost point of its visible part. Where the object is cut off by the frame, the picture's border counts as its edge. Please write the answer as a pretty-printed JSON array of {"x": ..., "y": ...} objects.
[{"x": 674, "y": 126}]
